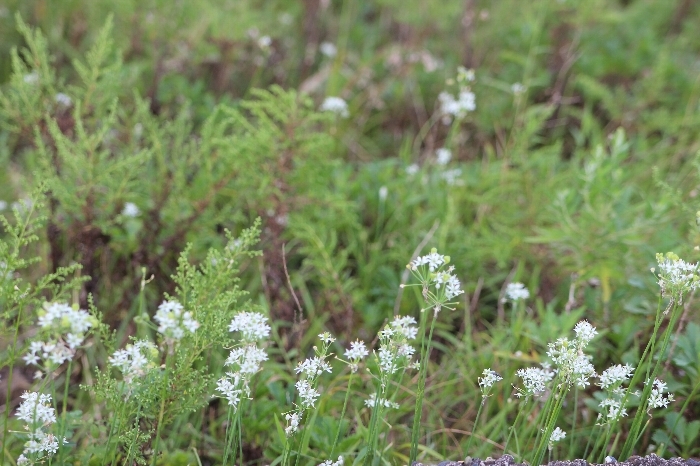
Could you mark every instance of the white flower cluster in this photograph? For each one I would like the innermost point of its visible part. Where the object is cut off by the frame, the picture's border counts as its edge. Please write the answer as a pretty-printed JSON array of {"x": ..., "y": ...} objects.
[
  {"x": 37, "y": 412},
  {"x": 615, "y": 375},
  {"x": 246, "y": 359},
  {"x": 340, "y": 462},
  {"x": 66, "y": 328},
  {"x": 252, "y": 325},
  {"x": 535, "y": 380},
  {"x": 394, "y": 350},
  {"x": 573, "y": 366},
  {"x": 134, "y": 360},
  {"x": 447, "y": 286},
  {"x": 172, "y": 321},
  {"x": 613, "y": 406},
  {"x": 557, "y": 435},
  {"x": 487, "y": 379},
  {"x": 130, "y": 210},
  {"x": 657, "y": 398},
  {"x": 456, "y": 107},
  {"x": 443, "y": 156},
  {"x": 293, "y": 419},
  {"x": 373, "y": 401},
  {"x": 516, "y": 291},
  {"x": 335, "y": 105},
  {"x": 432, "y": 260},
  {"x": 307, "y": 387},
  {"x": 676, "y": 277},
  {"x": 356, "y": 353}
]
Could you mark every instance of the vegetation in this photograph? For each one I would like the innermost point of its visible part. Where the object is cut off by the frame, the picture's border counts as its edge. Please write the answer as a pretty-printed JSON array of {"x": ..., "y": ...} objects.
[{"x": 225, "y": 228}]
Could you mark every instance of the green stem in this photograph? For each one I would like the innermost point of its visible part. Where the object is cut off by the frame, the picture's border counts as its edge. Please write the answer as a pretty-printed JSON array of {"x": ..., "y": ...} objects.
[
  {"x": 476, "y": 421},
  {"x": 64, "y": 419},
  {"x": 425, "y": 355},
  {"x": 161, "y": 412},
  {"x": 342, "y": 415}
]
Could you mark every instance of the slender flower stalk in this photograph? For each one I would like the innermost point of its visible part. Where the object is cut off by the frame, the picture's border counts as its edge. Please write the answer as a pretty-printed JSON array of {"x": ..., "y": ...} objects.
[
  {"x": 486, "y": 381},
  {"x": 438, "y": 288}
]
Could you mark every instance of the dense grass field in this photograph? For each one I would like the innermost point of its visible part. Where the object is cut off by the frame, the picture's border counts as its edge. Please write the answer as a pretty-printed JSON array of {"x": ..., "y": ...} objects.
[{"x": 348, "y": 233}]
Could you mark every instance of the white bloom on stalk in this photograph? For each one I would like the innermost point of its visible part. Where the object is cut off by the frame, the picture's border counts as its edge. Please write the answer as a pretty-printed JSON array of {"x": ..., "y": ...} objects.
[
  {"x": 557, "y": 435},
  {"x": 252, "y": 325},
  {"x": 535, "y": 380},
  {"x": 676, "y": 277},
  {"x": 328, "y": 49},
  {"x": 357, "y": 351},
  {"x": 585, "y": 332},
  {"x": 307, "y": 393},
  {"x": 457, "y": 107},
  {"x": 313, "y": 367},
  {"x": 406, "y": 326},
  {"x": 173, "y": 321},
  {"x": 335, "y": 105},
  {"x": 487, "y": 379},
  {"x": 443, "y": 156},
  {"x": 573, "y": 365},
  {"x": 516, "y": 291},
  {"x": 63, "y": 99},
  {"x": 130, "y": 210},
  {"x": 37, "y": 412},
  {"x": 293, "y": 419},
  {"x": 248, "y": 358},
  {"x": 134, "y": 360},
  {"x": 66, "y": 328},
  {"x": 412, "y": 169},
  {"x": 615, "y": 376},
  {"x": 372, "y": 401},
  {"x": 657, "y": 398},
  {"x": 340, "y": 462}
]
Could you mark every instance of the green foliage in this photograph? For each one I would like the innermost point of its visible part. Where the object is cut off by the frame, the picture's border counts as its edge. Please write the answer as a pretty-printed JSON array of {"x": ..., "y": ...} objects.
[{"x": 147, "y": 137}]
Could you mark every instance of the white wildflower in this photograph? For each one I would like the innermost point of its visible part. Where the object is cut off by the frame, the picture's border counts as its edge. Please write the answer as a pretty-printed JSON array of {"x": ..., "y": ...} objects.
[
  {"x": 487, "y": 379},
  {"x": 248, "y": 358},
  {"x": 31, "y": 78},
  {"x": 293, "y": 419},
  {"x": 37, "y": 412},
  {"x": 412, "y": 169},
  {"x": 516, "y": 291},
  {"x": 557, "y": 435},
  {"x": 264, "y": 42},
  {"x": 134, "y": 360},
  {"x": 443, "y": 156},
  {"x": 313, "y": 367},
  {"x": 130, "y": 210},
  {"x": 676, "y": 277},
  {"x": 307, "y": 393},
  {"x": 335, "y": 105},
  {"x": 173, "y": 321},
  {"x": 451, "y": 177},
  {"x": 328, "y": 49},
  {"x": 252, "y": 325},
  {"x": 357, "y": 351},
  {"x": 63, "y": 99},
  {"x": 372, "y": 401},
  {"x": 585, "y": 332},
  {"x": 574, "y": 367},
  {"x": 459, "y": 107},
  {"x": 517, "y": 89},
  {"x": 534, "y": 380},
  {"x": 657, "y": 398},
  {"x": 615, "y": 375}
]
